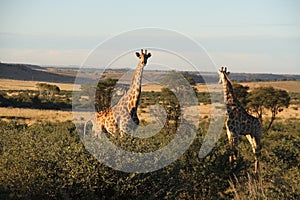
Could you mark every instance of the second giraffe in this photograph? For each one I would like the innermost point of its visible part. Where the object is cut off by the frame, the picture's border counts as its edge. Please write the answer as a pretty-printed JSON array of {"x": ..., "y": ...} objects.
[{"x": 239, "y": 122}]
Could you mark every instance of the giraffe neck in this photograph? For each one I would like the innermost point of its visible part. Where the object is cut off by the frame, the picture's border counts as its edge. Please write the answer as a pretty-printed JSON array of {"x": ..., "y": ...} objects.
[
  {"x": 229, "y": 97},
  {"x": 135, "y": 87},
  {"x": 132, "y": 96}
]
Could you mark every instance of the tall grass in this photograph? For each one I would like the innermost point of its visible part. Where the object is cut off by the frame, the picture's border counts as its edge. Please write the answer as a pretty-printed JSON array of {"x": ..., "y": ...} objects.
[{"x": 250, "y": 189}]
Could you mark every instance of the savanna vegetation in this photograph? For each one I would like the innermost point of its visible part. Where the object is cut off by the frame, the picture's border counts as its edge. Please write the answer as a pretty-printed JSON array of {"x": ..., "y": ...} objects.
[
  {"x": 48, "y": 96},
  {"x": 48, "y": 160}
]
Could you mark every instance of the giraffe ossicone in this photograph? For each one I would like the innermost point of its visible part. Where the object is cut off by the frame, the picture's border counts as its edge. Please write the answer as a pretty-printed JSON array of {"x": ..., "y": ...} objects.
[{"x": 239, "y": 121}]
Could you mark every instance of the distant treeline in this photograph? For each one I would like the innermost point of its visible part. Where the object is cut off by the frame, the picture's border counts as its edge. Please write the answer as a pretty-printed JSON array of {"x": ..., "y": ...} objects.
[
  {"x": 46, "y": 97},
  {"x": 240, "y": 77}
]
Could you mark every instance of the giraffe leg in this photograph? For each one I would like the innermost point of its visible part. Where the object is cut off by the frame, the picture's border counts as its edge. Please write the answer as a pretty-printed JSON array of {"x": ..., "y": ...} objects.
[
  {"x": 123, "y": 127},
  {"x": 255, "y": 144},
  {"x": 127, "y": 125},
  {"x": 257, "y": 154},
  {"x": 232, "y": 143},
  {"x": 235, "y": 145}
]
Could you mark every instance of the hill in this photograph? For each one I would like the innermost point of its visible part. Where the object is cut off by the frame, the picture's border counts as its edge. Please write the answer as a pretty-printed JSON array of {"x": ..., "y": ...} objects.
[
  {"x": 29, "y": 72},
  {"x": 32, "y": 73}
]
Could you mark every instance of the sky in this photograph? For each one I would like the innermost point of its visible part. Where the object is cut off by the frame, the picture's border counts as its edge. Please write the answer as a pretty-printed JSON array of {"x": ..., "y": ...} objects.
[{"x": 256, "y": 37}]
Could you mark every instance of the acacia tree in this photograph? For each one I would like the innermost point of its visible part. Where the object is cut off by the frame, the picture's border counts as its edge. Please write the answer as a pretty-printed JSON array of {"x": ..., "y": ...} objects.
[
  {"x": 47, "y": 90},
  {"x": 277, "y": 103},
  {"x": 104, "y": 92},
  {"x": 101, "y": 94},
  {"x": 268, "y": 98},
  {"x": 241, "y": 93},
  {"x": 256, "y": 102}
]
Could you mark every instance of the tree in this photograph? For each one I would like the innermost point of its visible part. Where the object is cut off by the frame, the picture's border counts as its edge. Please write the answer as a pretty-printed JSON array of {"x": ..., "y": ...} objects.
[
  {"x": 104, "y": 93},
  {"x": 279, "y": 100},
  {"x": 101, "y": 95},
  {"x": 268, "y": 98},
  {"x": 241, "y": 93},
  {"x": 171, "y": 105},
  {"x": 256, "y": 102},
  {"x": 47, "y": 90},
  {"x": 189, "y": 78}
]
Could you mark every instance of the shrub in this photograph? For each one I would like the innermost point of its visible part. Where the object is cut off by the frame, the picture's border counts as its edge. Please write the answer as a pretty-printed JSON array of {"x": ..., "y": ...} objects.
[{"x": 48, "y": 160}]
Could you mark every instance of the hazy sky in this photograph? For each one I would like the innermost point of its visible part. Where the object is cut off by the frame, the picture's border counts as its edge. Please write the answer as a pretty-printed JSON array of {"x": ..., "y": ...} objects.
[{"x": 247, "y": 36}]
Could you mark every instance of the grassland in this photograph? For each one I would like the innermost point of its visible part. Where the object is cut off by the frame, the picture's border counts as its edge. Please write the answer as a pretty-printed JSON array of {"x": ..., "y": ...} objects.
[
  {"x": 31, "y": 116},
  {"x": 289, "y": 86},
  {"x": 42, "y": 157},
  {"x": 9, "y": 84}
]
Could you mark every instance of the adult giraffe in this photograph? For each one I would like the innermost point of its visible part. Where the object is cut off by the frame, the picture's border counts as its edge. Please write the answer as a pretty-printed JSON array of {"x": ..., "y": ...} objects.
[
  {"x": 117, "y": 119},
  {"x": 238, "y": 121}
]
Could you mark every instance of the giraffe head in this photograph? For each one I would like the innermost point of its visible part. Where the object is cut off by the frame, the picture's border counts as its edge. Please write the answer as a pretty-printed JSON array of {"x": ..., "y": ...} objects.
[
  {"x": 223, "y": 73},
  {"x": 143, "y": 56}
]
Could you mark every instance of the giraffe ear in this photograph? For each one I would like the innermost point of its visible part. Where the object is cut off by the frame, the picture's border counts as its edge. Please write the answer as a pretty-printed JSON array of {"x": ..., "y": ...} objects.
[
  {"x": 149, "y": 55},
  {"x": 227, "y": 73},
  {"x": 137, "y": 54}
]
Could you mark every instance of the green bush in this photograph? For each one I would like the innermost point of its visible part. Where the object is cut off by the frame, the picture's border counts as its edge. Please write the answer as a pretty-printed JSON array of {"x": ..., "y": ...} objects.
[
  {"x": 48, "y": 160},
  {"x": 32, "y": 99}
]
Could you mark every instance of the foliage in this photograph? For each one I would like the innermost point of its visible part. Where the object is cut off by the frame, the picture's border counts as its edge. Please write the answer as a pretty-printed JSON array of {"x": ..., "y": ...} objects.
[
  {"x": 295, "y": 98},
  {"x": 256, "y": 104},
  {"x": 171, "y": 105},
  {"x": 189, "y": 78},
  {"x": 261, "y": 99},
  {"x": 268, "y": 98},
  {"x": 47, "y": 90},
  {"x": 44, "y": 160},
  {"x": 48, "y": 160},
  {"x": 241, "y": 93},
  {"x": 104, "y": 93},
  {"x": 32, "y": 99},
  {"x": 101, "y": 95},
  {"x": 204, "y": 97},
  {"x": 279, "y": 164}
]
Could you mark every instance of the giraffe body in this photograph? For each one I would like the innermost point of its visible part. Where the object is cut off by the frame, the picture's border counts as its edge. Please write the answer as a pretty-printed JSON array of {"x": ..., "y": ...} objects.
[
  {"x": 238, "y": 121},
  {"x": 122, "y": 117}
]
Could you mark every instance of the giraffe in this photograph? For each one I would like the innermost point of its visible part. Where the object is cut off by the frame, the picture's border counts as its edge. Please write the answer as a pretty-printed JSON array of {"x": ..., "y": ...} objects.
[
  {"x": 238, "y": 121},
  {"x": 119, "y": 118}
]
